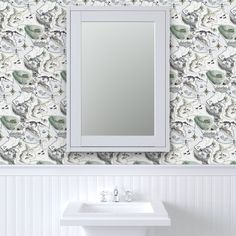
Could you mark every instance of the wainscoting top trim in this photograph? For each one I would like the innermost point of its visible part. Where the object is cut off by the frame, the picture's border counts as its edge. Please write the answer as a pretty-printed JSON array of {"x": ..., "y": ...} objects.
[{"x": 118, "y": 170}]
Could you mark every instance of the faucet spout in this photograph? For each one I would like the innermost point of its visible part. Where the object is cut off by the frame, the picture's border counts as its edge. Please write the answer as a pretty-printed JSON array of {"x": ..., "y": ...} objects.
[{"x": 116, "y": 195}]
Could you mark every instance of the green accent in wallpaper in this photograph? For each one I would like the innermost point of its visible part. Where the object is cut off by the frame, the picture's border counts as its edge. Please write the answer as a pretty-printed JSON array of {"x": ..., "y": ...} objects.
[{"x": 33, "y": 83}]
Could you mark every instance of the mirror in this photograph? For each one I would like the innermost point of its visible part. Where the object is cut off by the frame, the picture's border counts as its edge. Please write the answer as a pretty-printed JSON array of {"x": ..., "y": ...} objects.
[
  {"x": 118, "y": 79},
  {"x": 117, "y": 83}
]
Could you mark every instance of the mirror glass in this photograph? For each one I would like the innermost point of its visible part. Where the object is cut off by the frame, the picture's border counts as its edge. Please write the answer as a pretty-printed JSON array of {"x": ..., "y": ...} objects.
[{"x": 117, "y": 78}]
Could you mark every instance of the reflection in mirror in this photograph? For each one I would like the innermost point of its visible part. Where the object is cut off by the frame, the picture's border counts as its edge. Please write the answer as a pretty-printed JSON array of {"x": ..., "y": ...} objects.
[{"x": 117, "y": 78}]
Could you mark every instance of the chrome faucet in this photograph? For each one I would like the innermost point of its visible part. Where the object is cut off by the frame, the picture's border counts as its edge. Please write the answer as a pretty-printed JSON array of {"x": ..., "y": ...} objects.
[{"x": 116, "y": 195}]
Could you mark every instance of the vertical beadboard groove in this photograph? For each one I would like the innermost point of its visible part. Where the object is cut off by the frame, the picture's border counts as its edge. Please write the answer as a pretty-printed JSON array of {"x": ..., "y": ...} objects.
[
  {"x": 198, "y": 205},
  {"x": 55, "y": 200},
  {"x": 163, "y": 184},
  {"x": 44, "y": 205},
  {"x": 3, "y": 209},
  {"x": 137, "y": 187},
  {"x": 59, "y": 203},
  {"x": 101, "y": 185},
  {"x": 153, "y": 192},
  {"x": 144, "y": 188},
  {"x": 28, "y": 207},
  {"x": 16, "y": 205},
  {"x": 194, "y": 203},
  {"x": 20, "y": 205},
  {"x": 71, "y": 186},
  {"x": 127, "y": 183},
  {"x": 209, "y": 204},
  {"x": 64, "y": 198},
  {"x": 234, "y": 207},
  {"x": 37, "y": 212},
  {"x": 91, "y": 188},
  {"x": 179, "y": 200},
  {"x": 11, "y": 220},
  {"x": 172, "y": 192},
  {"x": 227, "y": 199},
  {"x": 213, "y": 203},
  {"x": 33, "y": 210},
  {"x": 232, "y": 201},
  {"x": 220, "y": 220}
]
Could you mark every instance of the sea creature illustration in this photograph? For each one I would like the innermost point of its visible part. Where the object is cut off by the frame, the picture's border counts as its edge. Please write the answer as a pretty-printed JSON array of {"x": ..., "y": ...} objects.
[
  {"x": 227, "y": 63},
  {"x": 33, "y": 103},
  {"x": 204, "y": 153},
  {"x": 105, "y": 157},
  {"x": 45, "y": 18},
  {"x": 179, "y": 63},
  {"x": 9, "y": 154},
  {"x": 57, "y": 154},
  {"x": 191, "y": 18}
]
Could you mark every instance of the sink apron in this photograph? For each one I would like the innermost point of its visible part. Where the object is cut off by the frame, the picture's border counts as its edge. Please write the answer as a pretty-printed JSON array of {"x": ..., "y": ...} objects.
[{"x": 115, "y": 231}]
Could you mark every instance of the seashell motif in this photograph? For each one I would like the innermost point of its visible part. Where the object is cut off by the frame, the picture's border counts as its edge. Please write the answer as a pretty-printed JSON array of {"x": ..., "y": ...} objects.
[
  {"x": 179, "y": 31},
  {"x": 215, "y": 76},
  {"x": 10, "y": 122},
  {"x": 204, "y": 122},
  {"x": 34, "y": 31},
  {"x": 58, "y": 122},
  {"x": 22, "y": 77},
  {"x": 227, "y": 31}
]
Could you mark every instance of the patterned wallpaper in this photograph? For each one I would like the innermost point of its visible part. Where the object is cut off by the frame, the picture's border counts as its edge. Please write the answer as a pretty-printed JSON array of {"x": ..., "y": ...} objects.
[{"x": 33, "y": 77}]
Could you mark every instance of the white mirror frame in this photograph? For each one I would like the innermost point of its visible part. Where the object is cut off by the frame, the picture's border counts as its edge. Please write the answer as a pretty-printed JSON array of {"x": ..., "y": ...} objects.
[{"x": 159, "y": 142}]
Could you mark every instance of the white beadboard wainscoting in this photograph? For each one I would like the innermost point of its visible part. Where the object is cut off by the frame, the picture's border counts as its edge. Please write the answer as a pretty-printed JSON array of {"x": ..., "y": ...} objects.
[{"x": 201, "y": 200}]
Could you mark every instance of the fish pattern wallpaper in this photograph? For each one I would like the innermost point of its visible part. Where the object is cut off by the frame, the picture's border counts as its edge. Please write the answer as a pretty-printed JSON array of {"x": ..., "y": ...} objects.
[{"x": 33, "y": 83}]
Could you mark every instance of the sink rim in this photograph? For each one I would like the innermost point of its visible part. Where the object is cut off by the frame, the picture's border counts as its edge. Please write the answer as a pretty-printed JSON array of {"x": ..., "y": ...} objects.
[{"x": 71, "y": 216}]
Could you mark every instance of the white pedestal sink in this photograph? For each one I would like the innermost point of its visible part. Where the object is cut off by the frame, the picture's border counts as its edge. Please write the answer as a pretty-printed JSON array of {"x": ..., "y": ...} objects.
[
  {"x": 115, "y": 231},
  {"x": 115, "y": 219}
]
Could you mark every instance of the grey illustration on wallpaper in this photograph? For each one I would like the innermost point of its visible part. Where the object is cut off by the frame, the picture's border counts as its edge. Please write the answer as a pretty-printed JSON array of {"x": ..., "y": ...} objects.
[{"x": 33, "y": 78}]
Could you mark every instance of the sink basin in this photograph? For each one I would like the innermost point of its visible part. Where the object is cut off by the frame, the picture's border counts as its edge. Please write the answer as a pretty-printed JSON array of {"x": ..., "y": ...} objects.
[
  {"x": 116, "y": 208},
  {"x": 115, "y": 214}
]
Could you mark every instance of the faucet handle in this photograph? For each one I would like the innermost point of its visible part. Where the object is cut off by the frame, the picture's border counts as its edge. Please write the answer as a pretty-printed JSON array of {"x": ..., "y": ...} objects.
[
  {"x": 128, "y": 196},
  {"x": 103, "y": 196}
]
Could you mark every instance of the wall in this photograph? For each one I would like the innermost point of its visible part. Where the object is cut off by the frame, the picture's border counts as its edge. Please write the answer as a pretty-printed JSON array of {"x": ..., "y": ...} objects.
[
  {"x": 200, "y": 201},
  {"x": 33, "y": 77}
]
